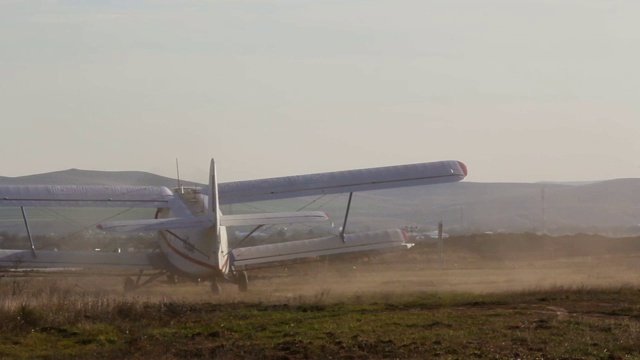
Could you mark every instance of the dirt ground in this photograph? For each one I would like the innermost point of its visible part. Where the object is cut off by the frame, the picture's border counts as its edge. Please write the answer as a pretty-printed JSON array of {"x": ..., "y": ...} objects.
[{"x": 500, "y": 263}]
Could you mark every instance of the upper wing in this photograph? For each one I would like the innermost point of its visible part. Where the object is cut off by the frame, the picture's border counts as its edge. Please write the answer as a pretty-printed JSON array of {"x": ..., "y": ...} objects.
[
  {"x": 239, "y": 191},
  {"x": 342, "y": 182},
  {"x": 79, "y": 196}
]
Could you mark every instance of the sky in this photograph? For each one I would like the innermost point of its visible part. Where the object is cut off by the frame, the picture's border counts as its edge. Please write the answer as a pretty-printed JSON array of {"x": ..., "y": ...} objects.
[{"x": 520, "y": 91}]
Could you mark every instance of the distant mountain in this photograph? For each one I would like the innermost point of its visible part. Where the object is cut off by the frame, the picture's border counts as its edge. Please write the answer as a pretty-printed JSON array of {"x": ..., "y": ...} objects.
[
  {"x": 609, "y": 207},
  {"x": 92, "y": 177}
]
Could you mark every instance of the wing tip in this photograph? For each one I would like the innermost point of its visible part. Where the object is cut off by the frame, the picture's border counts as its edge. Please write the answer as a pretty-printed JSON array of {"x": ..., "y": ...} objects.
[{"x": 463, "y": 167}]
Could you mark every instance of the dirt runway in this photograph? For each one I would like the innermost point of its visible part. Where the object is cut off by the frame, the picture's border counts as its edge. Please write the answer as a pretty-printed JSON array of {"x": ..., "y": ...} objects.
[{"x": 546, "y": 264}]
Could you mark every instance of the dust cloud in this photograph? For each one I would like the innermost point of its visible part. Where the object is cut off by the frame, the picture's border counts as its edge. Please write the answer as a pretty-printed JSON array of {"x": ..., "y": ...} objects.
[{"x": 478, "y": 264}]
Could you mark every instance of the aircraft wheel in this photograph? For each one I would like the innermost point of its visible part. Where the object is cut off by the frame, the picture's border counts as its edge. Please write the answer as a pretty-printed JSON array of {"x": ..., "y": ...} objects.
[
  {"x": 215, "y": 288},
  {"x": 242, "y": 279},
  {"x": 129, "y": 284}
]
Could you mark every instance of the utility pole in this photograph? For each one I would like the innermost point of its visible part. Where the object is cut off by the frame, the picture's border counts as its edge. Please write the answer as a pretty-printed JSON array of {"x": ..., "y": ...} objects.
[{"x": 440, "y": 245}]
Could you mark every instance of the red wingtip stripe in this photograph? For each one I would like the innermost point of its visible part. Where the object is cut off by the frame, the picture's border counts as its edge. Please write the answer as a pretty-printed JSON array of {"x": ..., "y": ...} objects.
[{"x": 463, "y": 167}]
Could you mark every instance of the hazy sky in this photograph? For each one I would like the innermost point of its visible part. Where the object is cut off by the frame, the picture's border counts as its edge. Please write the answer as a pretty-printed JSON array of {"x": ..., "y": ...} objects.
[{"x": 518, "y": 90}]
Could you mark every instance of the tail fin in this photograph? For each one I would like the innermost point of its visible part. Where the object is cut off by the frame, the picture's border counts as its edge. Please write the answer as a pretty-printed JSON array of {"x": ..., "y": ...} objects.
[{"x": 213, "y": 213}]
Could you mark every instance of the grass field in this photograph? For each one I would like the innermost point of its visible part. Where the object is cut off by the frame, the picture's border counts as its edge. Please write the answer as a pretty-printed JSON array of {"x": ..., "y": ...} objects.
[{"x": 392, "y": 306}]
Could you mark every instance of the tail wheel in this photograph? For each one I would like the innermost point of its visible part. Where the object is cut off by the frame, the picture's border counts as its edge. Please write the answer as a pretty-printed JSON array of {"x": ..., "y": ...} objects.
[{"x": 242, "y": 279}]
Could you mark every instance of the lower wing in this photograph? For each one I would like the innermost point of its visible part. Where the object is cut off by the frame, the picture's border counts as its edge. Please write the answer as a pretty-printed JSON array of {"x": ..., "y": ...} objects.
[
  {"x": 26, "y": 259},
  {"x": 264, "y": 254}
]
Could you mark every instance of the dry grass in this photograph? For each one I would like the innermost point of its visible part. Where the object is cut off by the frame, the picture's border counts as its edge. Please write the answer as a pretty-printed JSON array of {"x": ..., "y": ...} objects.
[{"x": 570, "y": 307}]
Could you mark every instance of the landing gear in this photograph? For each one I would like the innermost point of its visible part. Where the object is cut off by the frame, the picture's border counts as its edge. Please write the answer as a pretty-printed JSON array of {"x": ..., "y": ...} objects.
[
  {"x": 171, "y": 279},
  {"x": 215, "y": 288},
  {"x": 129, "y": 284},
  {"x": 242, "y": 280}
]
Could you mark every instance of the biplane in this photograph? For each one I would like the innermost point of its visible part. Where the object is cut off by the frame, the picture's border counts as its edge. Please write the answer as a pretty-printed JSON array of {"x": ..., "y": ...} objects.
[{"x": 192, "y": 230}]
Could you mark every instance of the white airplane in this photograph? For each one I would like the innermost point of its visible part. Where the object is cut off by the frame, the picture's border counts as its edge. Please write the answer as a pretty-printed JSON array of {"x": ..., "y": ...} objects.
[{"x": 193, "y": 238}]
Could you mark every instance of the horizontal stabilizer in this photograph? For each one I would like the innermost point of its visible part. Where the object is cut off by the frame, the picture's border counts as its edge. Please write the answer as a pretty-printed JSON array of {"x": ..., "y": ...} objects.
[
  {"x": 202, "y": 221},
  {"x": 262, "y": 254},
  {"x": 25, "y": 260},
  {"x": 155, "y": 224},
  {"x": 273, "y": 218}
]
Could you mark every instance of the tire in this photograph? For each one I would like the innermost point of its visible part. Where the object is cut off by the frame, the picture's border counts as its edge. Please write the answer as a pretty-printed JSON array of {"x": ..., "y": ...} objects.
[{"x": 242, "y": 279}]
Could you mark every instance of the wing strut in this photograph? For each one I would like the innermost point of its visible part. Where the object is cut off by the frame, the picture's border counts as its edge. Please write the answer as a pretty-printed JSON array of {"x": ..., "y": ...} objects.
[
  {"x": 248, "y": 235},
  {"x": 346, "y": 216},
  {"x": 26, "y": 224}
]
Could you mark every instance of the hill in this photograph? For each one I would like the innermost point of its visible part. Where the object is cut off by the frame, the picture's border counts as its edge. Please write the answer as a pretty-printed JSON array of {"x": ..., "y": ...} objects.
[{"x": 609, "y": 207}]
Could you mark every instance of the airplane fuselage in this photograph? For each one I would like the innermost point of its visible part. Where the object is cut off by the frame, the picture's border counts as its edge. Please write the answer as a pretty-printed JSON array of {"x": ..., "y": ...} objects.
[{"x": 194, "y": 252}]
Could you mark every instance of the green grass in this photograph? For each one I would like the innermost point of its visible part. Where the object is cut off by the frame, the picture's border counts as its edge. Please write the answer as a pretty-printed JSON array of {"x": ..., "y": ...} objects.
[{"x": 58, "y": 321}]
